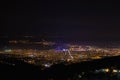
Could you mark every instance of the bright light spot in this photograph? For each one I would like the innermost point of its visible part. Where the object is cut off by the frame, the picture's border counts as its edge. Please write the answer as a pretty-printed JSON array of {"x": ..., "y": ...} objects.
[
  {"x": 47, "y": 65},
  {"x": 115, "y": 71},
  {"x": 65, "y": 49},
  {"x": 106, "y": 70}
]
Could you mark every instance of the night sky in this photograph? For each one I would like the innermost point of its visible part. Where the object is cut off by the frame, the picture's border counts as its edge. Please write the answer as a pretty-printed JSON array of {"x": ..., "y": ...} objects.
[{"x": 80, "y": 20}]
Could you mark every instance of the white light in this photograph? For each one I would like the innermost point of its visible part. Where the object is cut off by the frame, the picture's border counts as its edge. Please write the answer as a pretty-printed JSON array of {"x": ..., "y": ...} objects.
[
  {"x": 115, "y": 71},
  {"x": 47, "y": 65},
  {"x": 105, "y": 70}
]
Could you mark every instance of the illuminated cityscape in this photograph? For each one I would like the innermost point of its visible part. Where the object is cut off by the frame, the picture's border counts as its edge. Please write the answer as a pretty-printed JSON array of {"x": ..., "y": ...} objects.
[
  {"x": 56, "y": 54},
  {"x": 59, "y": 40},
  {"x": 46, "y": 54}
]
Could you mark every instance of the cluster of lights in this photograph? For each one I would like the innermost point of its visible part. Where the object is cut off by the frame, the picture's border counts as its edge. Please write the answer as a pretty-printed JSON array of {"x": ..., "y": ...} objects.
[{"x": 108, "y": 70}]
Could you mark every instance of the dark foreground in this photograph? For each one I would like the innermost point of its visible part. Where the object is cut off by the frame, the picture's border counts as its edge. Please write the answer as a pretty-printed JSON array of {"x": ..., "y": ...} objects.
[{"x": 79, "y": 71}]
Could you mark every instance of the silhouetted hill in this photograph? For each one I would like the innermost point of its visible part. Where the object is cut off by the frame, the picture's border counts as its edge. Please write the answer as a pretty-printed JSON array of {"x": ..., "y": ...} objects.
[{"x": 61, "y": 71}]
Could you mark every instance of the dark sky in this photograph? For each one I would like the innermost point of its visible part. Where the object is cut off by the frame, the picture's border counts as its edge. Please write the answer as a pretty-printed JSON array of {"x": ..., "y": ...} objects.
[{"x": 80, "y": 20}]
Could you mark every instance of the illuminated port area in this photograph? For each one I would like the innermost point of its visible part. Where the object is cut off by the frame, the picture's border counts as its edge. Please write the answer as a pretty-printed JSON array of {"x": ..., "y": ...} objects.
[{"x": 66, "y": 54}]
